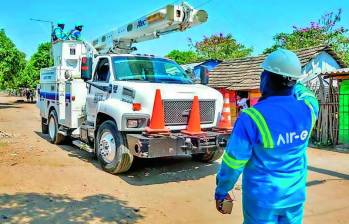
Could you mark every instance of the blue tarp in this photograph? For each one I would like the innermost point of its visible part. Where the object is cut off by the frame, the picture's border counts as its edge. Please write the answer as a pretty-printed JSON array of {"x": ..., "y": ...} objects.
[{"x": 209, "y": 64}]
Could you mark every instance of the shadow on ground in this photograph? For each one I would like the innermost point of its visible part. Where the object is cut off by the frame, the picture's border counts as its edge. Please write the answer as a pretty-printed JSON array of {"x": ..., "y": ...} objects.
[
  {"x": 165, "y": 170},
  {"x": 50, "y": 208},
  {"x": 7, "y": 106},
  {"x": 72, "y": 150},
  {"x": 14, "y": 104},
  {"x": 338, "y": 176},
  {"x": 152, "y": 171},
  {"x": 329, "y": 172}
]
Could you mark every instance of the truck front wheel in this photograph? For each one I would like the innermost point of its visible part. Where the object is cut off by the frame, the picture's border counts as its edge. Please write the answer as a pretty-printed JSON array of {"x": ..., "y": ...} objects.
[
  {"x": 55, "y": 136},
  {"x": 112, "y": 154},
  {"x": 208, "y": 157}
]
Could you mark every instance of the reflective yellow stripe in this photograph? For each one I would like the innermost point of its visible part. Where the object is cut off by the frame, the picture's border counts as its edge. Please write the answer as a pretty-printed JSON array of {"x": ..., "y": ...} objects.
[
  {"x": 306, "y": 94},
  {"x": 263, "y": 128},
  {"x": 232, "y": 162}
]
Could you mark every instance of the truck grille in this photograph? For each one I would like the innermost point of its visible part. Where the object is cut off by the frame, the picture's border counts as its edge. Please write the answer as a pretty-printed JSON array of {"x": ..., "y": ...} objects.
[{"x": 177, "y": 111}]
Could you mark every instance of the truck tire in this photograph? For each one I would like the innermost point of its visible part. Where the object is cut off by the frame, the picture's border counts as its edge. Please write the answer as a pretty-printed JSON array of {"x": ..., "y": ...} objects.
[
  {"x": 112, "y": 154},
  {"x": 55, "y": 137},
  {"x": 208, "y": 157},
  {"x": 44, "y": 127}
]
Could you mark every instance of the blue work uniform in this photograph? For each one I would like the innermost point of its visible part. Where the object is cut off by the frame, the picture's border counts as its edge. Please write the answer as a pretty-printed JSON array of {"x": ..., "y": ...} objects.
[
  {"x": 75, "y": 35},
  {"x": 268, "y": 144},
  {"x": 58, "y": 34}
]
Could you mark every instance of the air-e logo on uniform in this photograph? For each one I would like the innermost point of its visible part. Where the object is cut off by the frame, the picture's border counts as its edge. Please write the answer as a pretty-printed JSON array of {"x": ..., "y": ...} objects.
[{"x": 289, "y": 137}]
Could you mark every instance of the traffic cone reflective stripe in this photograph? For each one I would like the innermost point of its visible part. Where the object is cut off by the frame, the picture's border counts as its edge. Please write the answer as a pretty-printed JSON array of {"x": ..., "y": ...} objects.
[
  {"x": 225, "y": 120},
  {"x": 226, "y": 109},
  {"x": 157, "y": 121},
  {"x": 226, "y": 98},
  {"x": 194, "y": 122}
]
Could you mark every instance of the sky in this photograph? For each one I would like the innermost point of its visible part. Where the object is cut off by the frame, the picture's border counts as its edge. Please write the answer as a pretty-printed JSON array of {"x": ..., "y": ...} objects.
[{"x": 252, "y": 22}]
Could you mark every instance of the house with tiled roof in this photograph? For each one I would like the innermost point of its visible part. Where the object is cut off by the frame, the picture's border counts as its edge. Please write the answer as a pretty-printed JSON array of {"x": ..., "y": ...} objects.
[{"x": 242, "y": 75}]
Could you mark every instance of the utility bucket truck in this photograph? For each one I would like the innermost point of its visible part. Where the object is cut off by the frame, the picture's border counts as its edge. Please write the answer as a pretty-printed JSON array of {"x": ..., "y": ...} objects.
[{"x": 118, "y": 105}]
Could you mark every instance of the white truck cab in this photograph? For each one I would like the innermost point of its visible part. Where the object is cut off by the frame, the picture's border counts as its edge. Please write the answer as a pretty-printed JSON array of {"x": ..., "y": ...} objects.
[
  {"x": 134, "y": 78},
  {"x": 104, "y": 101}
]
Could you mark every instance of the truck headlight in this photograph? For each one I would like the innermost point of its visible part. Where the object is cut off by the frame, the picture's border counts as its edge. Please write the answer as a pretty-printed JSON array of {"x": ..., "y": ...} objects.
[
  {"x": 135, "y": 122},
  {"x": 132, "y": 123}
]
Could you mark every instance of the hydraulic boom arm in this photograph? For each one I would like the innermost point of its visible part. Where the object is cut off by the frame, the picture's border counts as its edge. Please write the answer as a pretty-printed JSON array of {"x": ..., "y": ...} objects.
[{"x": 169, "y": 19}]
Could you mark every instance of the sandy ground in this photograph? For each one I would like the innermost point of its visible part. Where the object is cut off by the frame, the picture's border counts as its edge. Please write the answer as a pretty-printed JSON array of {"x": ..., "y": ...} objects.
[{"x": 45, "y": 183}]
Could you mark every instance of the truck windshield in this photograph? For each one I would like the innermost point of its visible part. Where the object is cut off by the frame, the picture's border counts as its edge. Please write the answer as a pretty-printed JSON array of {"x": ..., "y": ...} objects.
[{"x": 148, "y": 69}]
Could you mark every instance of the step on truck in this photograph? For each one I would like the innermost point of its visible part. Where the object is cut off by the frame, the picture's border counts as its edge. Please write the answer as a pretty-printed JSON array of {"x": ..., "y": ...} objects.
[{"x": 103, "y": 98}]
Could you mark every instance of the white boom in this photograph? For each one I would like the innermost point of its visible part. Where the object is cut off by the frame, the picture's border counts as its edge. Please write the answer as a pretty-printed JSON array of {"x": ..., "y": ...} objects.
[{"x": 169, "y": 19}]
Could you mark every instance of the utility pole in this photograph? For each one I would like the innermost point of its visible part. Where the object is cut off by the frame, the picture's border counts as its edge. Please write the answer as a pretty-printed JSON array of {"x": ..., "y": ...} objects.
[{"x": 52, "y": 26}]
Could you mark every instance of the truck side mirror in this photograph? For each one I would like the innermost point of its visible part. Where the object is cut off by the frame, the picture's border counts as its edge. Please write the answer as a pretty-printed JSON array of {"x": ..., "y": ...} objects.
[
  {"x": 190, "y": 74},
  {"x": 204, "y": 75},
  {"x": 86, "y": 68},
  {"x": 107, "y": 89},
  {"x": 110, "y": 88}
]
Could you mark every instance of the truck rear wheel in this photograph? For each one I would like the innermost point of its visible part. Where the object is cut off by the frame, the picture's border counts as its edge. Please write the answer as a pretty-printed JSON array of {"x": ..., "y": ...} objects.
[
  {"x": 55, "y": 136},
  {"x": 208, "y": 157},
  {"x": 112, "y": 154}
]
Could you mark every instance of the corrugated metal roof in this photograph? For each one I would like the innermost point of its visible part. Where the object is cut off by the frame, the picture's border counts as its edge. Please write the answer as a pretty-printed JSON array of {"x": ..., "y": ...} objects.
[
  {"x": 190, "y": 66},
  {"x": 342, "y": 71},
  {"x": 243, "y": 74}
]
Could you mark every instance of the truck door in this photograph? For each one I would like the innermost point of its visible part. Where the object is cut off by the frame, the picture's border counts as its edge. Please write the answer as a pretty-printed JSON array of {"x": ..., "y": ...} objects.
[{"x": 98, "y": 91}]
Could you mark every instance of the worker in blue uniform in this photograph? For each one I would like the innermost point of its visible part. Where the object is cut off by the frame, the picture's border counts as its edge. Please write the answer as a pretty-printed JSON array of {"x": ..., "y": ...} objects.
[
  {"x": 268, "y": 144},
  {"x": 75, "y": 34},
  {"x": 58, "y": 32}
]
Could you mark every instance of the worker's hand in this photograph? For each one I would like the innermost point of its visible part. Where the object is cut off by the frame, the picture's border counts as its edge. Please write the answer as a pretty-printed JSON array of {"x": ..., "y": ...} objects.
[{"x": 219, "y": 204}]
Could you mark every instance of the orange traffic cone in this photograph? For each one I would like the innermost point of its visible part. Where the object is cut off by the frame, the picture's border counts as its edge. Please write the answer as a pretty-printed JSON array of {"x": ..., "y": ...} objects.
[
  {"x": 157, "y": 121},
  {"x": 225, "y": 121},
  {"x": 194, "y": 127}
]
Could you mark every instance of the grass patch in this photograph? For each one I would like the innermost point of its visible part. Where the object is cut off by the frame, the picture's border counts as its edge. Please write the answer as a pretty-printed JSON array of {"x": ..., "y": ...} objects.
[{"x": 3, "y": 144}]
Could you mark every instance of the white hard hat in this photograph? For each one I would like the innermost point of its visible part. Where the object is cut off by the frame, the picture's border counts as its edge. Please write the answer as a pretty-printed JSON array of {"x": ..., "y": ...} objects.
[{"x": 283, "y": 62}]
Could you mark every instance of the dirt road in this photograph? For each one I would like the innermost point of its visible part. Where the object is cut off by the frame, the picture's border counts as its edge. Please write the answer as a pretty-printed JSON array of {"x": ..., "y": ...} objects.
[{"x": 45, "y": 183}]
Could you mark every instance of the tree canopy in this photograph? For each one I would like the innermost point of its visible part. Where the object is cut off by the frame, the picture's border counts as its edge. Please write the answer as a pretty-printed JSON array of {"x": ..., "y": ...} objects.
[
  {"x": 30, "y": 75},
  {"x": 325, "y": 31},
  {"x": 12, "y": 62},
  {"x": 220, "y": 47},
  {"x": 15, "y": 71},
  {"x": 183, "y": 57},
  {"x": 216, "y": 46}
]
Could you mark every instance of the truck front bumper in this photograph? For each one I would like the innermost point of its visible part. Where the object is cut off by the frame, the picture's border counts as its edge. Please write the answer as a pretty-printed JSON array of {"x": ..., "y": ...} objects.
[{"x": 153, "y": 146}]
